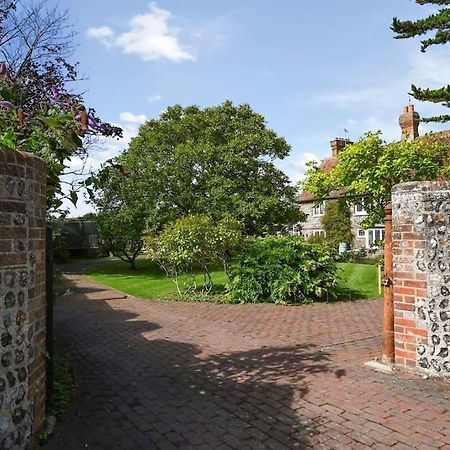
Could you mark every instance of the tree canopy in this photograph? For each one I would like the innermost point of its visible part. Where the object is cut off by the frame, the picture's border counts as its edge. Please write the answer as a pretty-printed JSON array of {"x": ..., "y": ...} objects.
[
  {"x": 217, "y": 161},
  {"x": 370, "y": 168},
  {"x": 436, "y": 29},
  {"x": 122, "y": 212}
]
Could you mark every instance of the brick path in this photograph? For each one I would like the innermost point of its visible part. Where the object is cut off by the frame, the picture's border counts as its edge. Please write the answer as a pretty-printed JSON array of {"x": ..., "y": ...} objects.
[{"x": 183, "y": 375}]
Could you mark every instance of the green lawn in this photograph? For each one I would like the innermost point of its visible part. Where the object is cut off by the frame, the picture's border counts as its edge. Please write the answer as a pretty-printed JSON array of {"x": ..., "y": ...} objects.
[
  {"x": 148, "y": 281},
  {"x": 358, "y": 281}
]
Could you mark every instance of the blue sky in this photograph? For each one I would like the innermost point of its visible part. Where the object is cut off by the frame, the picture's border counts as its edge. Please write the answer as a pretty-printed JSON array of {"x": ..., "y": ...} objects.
[{"x": 311, "y": 68}]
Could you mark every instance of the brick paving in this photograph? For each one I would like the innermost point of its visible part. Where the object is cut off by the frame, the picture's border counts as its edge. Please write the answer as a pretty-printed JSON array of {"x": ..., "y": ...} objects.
[{"x": 166, "y": 375}]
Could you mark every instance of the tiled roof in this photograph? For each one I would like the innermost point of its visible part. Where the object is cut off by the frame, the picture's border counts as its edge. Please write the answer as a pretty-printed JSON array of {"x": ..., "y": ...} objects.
[{"x": 307, "y": 197}]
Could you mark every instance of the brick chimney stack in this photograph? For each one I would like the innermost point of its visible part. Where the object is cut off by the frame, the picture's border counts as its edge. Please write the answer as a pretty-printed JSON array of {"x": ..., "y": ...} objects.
[
  {"x": 409, "y": 123},
  {"x": 337, "y": 144}
]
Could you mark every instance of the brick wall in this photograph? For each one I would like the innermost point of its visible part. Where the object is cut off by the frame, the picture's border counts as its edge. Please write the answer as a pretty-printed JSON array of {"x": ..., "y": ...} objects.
[
  {"x": 421, "y": 257},
  {"x": 22, "y": 298}
]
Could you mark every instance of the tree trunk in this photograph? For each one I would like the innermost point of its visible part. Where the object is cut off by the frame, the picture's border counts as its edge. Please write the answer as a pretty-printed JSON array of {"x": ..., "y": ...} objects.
[{"x": 132, "y": 264}]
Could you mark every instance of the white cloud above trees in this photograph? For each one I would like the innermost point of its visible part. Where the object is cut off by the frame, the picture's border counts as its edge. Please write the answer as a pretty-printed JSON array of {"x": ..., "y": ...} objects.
[{"x": 149, "y": 36}]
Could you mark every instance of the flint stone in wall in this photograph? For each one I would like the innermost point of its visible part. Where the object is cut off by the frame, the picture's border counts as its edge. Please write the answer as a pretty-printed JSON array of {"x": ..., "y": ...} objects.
[{"x": 426, "y": 205}]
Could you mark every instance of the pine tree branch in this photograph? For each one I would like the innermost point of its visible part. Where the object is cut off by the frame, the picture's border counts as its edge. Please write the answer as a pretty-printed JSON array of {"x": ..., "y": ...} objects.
[
  {"x": 436, "y": 119},
  {"x": 435, "y": 2},
  {"x": 441, "y": 95},
  {"x": 439, "y": 22}
]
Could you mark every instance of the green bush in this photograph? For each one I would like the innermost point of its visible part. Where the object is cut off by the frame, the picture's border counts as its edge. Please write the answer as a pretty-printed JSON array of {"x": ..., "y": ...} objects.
[
  {"x": 337, "y": 224},
  {"x": 283, "y": 269},
  {"x": 195, "y": 242}
]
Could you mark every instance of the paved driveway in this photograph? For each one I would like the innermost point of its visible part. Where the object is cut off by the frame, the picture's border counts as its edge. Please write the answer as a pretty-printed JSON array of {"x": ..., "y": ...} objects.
[{"x": 184, "y": 375}]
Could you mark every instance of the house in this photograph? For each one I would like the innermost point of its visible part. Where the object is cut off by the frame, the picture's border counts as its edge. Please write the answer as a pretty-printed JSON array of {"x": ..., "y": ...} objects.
[{"x": 363, "y": 238}]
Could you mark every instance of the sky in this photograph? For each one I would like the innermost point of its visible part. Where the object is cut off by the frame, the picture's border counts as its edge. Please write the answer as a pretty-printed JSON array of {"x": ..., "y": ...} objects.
[{"x": 315, "y": 69}]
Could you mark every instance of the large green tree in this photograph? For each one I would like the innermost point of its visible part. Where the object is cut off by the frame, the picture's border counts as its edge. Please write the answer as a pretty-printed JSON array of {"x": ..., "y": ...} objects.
[
  {"x": 436, "y": 31},
  {"x": 370, "y": 168},
  {"x": 217, "y": 161},
  {"x": 121, "y": 212}
]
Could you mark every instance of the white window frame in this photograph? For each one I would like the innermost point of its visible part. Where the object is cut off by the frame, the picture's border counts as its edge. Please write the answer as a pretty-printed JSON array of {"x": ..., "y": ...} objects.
[
  {"x": 318, "y": 232},
  {"x": 357, "y": 211},
  {"x": 375, "y": 239},
  {"x": 296, "y": 229},
  {"x": 361, "y": 233},
  {"x": 319, "y": 209}
]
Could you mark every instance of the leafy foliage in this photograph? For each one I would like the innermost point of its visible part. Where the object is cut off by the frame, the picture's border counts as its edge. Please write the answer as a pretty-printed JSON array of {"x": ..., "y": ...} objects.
[
  {"x": 439, "y": 24},
  {"x": 195, "y": 242},
  {"x": 370, "y": 168},
  {"x": 215, "y": 161},
  {"x": 121, "y": 228},
  {"x": 63, "y": 383},
  {"x": 336, "y": 223},
  {"x": 38, "y": 112},
  {"x": 283, "y": 269}
]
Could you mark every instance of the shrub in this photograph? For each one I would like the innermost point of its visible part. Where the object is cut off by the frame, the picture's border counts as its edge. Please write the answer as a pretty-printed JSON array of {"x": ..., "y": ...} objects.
[
  {"x": 283, "y": 269},
  {"x": 337, "y": 224},
  {"x": 195, "y": 242}
]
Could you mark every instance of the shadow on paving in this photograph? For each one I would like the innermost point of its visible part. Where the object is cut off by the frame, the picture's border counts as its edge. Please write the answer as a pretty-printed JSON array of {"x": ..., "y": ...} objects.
[{"x": 138, "y": 391}]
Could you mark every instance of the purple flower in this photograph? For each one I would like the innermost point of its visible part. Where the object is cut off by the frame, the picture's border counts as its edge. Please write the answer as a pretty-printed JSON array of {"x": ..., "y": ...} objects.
[
  {"x": 78, "y": 118},
  {"x": 6, "y": 105},
  {"x": 92, "y": 123}
]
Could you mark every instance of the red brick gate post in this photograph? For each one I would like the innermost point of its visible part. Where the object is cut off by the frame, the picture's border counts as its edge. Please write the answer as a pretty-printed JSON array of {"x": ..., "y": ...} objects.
[{"x": 388, "y": 319}]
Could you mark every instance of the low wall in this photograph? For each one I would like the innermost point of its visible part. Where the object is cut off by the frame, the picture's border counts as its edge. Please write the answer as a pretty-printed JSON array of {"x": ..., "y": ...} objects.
[
  {"x": 421, "y": 256},
  {"x": 22, "y": 298}
]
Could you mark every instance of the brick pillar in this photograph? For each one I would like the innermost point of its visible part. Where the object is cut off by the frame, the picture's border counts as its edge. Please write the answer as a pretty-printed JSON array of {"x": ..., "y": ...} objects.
[
  {"x": 421, "y": 256},
  {"x": 22, "y": 298}
]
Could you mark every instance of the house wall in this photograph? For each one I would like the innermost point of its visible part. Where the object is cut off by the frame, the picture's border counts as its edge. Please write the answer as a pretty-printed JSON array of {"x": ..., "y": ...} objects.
[
  {"x": 421, "y": 276},
  {"x": 312, "y": 222},
  {"x": 22, "y": 298},
  {"x": 315, "y": 223}
]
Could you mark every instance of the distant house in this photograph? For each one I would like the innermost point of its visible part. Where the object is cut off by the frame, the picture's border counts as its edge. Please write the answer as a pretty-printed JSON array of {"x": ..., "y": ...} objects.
[{"x": 409, "y": 124}]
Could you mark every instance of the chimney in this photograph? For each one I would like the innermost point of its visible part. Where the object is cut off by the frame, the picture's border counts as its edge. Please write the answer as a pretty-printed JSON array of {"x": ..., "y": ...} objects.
[
  {"x": 337, "y": 144},
  {"x": 409, "y": 123}
]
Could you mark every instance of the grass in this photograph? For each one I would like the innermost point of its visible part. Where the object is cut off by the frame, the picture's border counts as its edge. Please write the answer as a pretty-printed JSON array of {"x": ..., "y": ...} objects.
[
  {"x": 358, "y": 281},
  {"x": 149, "y": 281},
  {"x": 62, "y": 383}
]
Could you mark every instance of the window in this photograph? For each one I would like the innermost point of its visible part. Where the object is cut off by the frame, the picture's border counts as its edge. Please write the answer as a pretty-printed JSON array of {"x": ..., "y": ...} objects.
[
  {"x": 374, "y": 235},
  {"x": 319, "y": 209},
  {"x": 318, "y": 233},
  {"x": 361, "y": 233},
  {"x": 296, "y": 230},
  {"x": 359, "y": 209}
]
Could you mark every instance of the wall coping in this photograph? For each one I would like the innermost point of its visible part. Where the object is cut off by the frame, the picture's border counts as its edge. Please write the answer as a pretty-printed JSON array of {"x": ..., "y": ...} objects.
[
  {"x": 22, "y": 158},
  {"x": 420, "y": 186}
]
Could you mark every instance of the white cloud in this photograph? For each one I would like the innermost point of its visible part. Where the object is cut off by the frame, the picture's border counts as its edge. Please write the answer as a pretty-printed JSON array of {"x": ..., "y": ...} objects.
[
  {"x": 148, "y": 37},
  {"x": 296, "y": 167},
  {"x": 103, "y": 32},
  {"x": 431, "y": 67},
  {"x": 154, "y": 98},
  {"x": 133, "y": 118}
]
